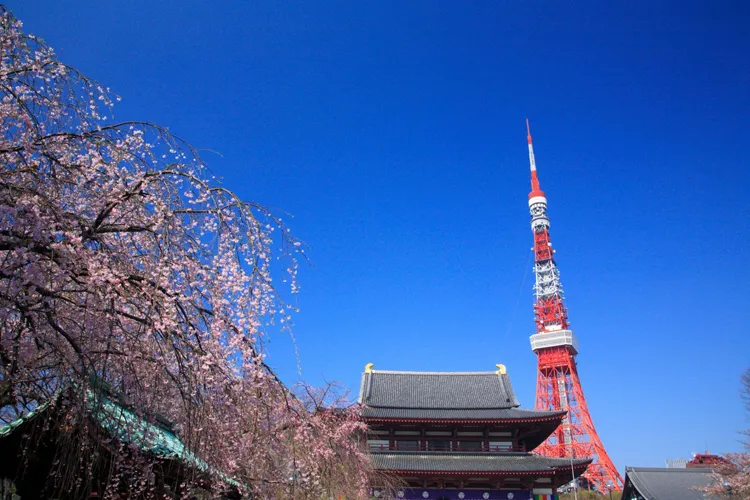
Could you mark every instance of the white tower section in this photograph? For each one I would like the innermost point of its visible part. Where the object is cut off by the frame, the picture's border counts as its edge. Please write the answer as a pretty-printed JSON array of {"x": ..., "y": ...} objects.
[
  {"x": 548, "y": 284},
  {"x": 547, "y": 287}
]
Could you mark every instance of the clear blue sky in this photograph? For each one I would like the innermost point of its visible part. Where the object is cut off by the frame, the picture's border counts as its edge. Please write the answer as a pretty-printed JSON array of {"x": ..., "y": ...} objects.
[{"x": 394, "y": 133}]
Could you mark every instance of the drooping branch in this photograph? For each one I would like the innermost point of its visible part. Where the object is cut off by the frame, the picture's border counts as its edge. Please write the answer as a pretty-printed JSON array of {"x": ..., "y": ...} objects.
[{"x": 125, "y": 268}]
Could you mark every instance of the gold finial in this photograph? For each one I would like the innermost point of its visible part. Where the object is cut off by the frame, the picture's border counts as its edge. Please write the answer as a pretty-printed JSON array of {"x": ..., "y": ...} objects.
[
  {"x": 501, "y": 370},
  {"x": 368, "y": 367}
]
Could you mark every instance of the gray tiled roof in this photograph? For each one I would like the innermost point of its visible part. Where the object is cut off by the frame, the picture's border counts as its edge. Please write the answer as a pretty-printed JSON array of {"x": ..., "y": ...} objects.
[
  {"x": 666, "y": 484},
  {"x": 434, "y": 390},
  {"x": 469, "y": 462},
  {"x": 456, "y": 414}
]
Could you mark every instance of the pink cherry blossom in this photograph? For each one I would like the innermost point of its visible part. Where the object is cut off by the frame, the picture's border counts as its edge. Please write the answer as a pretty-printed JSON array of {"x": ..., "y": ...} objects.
[{"x": 123, "y": 262}]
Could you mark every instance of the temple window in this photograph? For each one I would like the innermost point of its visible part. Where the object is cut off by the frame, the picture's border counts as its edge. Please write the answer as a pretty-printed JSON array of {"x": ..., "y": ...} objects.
[
  {"x": 378, "y": 444},
  {"x": 470, "y": 433},
  {"x": 406, "y": 433},
  {"x": 470, "y": 445},
  {"x": 407, "y": 445},
  {"x": 434, "y": 445},
  {"x": 500, "y": 434},
  {"x": 438, "y": 433},
  {"x": 501, "y": 445}
]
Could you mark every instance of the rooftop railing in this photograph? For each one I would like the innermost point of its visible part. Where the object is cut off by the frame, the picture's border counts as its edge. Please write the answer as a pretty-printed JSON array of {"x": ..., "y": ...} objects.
[{"x": 482, "y": 448}]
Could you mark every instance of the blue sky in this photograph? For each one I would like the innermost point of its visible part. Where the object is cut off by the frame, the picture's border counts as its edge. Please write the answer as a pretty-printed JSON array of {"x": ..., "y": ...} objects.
[{"x": 393, "y": 132}]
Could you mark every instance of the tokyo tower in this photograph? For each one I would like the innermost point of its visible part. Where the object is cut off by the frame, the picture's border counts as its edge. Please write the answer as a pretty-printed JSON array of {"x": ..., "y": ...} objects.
[{"x": 558, "y": 385}]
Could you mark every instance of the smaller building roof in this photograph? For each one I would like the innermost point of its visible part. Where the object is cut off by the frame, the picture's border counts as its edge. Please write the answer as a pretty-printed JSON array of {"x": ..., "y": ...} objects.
[
  {"x": 437, "y": 390},
  {"x": 420, "y": 462},
  {"x": 666, "y": 484},
  {"x": 701, "y": 460}
]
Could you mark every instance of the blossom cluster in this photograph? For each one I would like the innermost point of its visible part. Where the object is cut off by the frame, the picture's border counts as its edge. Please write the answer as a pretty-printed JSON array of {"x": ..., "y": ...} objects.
[{"x": 122, "y": 260}]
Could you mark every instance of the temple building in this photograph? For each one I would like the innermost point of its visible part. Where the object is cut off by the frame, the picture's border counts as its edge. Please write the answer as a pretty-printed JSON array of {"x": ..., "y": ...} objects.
[{"x": 459, "y": 435}]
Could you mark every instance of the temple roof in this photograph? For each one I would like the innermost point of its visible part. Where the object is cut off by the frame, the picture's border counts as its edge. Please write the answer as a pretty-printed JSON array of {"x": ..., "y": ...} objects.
[
  {"x": 393, "y": 395},
  {"x": 437, "y": 390},
  {"x": 666, "y": 484},
  {"x": 471, "y": 462}
]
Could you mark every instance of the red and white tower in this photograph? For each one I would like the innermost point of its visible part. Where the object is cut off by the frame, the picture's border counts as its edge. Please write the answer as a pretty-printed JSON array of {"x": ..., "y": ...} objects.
[{"x": 558, "y": 386}]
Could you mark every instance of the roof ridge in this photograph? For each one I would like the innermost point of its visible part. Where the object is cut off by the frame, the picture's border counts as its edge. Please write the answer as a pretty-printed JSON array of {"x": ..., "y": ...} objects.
[
  {"x": 391, "y": 407},
  {"x": 397, "y": 372},
  {"x": 668, "y": 469},
  {"x": 482, "y": 454}
]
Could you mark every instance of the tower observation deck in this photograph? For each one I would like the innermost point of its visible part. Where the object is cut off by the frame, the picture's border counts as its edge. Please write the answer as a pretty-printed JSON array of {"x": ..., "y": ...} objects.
[{"x": 556, "y": 346}]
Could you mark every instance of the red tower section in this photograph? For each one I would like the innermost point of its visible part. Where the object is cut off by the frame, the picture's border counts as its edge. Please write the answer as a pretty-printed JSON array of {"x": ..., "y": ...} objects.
[{"x": 558, "y": 385}]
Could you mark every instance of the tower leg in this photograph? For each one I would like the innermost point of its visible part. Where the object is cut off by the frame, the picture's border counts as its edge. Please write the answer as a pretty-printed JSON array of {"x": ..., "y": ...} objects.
[{"x": 559, "y": 388}]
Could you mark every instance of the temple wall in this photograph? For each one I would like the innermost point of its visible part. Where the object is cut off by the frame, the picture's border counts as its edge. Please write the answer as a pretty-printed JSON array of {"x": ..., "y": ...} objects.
[
  {"x": 544, "y": 494},
  {"x": 457, "y": 494}
]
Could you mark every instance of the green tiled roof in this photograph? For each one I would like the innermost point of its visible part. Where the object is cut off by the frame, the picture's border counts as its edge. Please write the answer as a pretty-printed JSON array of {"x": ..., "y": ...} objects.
[
  {"x": 129, "y": 428},
  {"x": 8, "y": 429}
]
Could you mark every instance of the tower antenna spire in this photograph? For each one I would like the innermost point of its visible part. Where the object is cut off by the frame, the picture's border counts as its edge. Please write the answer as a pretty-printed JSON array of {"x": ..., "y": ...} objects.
[
  {"x": 528, "y": 131},
  {"x": 555, "y": 344},
  {"x": 535, "y": 189}
]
